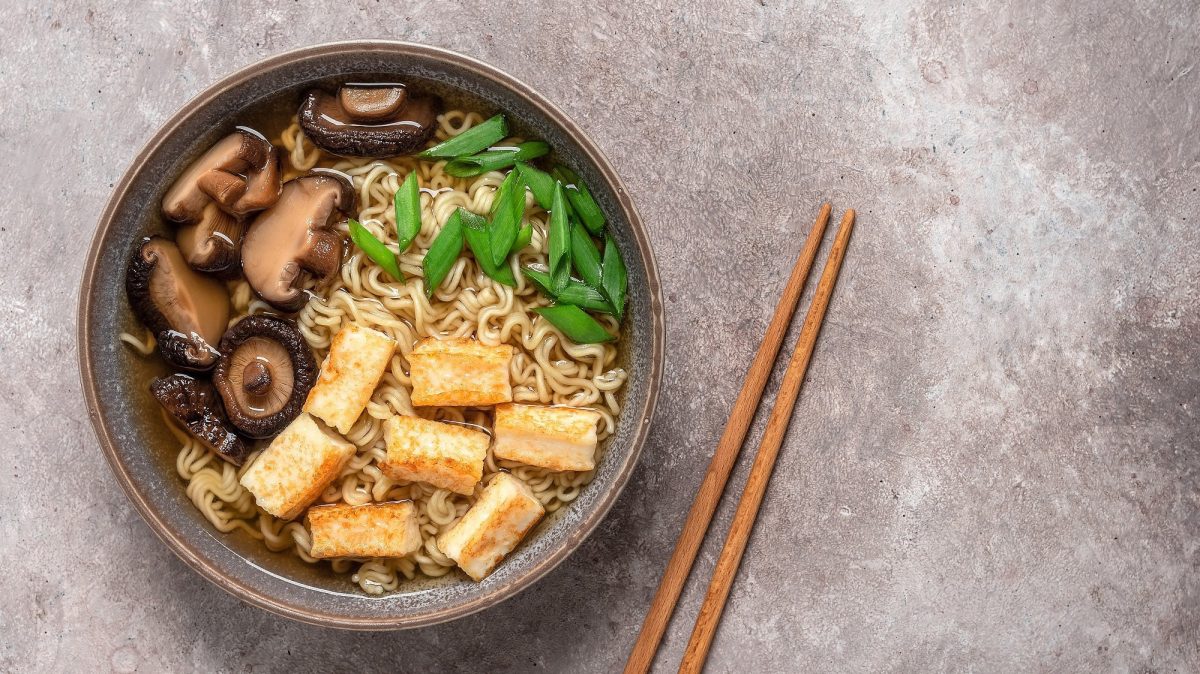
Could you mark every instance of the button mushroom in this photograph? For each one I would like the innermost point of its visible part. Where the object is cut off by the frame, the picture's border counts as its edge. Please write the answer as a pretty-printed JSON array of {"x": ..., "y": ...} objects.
[
  {"x": 298, "y": 238},
  {"x": 186, "y": 311},
  {"x": 237, "y": 176},
  {"x": 194, "y": 405},
  {"x": 264, "y": 375},
  {"x": 368, "y": 120}
]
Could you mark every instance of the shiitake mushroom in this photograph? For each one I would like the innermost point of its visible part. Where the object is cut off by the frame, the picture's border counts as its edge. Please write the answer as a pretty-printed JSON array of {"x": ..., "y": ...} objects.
[
  {"x": 186, "y": 311},
  {"x": 298, "y": 237},
  {"x": 264, "y": 374},
  {"x": 240, "y": 172},
  {"x": 195, "y": 405},
  {"x": 368, "y": 120},
  {"x": 211, "y": 200}
]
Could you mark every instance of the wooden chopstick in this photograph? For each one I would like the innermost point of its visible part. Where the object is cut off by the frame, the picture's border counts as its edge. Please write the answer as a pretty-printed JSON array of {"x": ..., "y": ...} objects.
[
  {"x": 764, "y": 462},
  {"x": 730, "y": 444}
]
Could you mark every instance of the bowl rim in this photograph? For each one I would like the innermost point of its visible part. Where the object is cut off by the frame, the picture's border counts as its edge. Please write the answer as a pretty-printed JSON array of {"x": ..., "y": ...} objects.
[{"x": 189, "y": 553}]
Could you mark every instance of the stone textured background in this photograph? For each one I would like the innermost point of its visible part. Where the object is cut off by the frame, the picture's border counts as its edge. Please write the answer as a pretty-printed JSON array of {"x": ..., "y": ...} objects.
[{"x": 994, "y": 463}]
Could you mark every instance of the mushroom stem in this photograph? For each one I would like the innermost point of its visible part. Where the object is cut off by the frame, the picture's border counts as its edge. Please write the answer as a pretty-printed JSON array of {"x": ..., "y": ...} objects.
[{"x": 256, "y": 378}]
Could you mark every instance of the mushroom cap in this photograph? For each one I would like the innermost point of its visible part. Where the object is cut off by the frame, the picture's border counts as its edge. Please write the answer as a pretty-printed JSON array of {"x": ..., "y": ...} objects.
[
  {"x": 264, "y": 375},
  {"x": 194, "y": 404},
  {"x": 186, "y": 311},
  {"x": 297, "y": 238},
  {"x": 368, "y": 120},
  {"x": 240, "y": 173}
]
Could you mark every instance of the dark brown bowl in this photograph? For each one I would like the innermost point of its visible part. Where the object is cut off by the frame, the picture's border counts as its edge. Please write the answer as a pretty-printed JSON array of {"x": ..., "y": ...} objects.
[{"x": 141, "y": 451}]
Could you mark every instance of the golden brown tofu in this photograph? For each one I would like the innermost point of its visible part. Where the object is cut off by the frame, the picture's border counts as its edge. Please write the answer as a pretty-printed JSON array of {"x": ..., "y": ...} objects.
[
  {"x": 448, "y": 456},
  {"x": 371, "y": 530},
  {"x": 357, "y": 359},
  {"x": 459, "y": 373},
  {"x": 505, "y": 511},
  {"x": 557, "y": 438},
  {"x": 293, "y": 471}
]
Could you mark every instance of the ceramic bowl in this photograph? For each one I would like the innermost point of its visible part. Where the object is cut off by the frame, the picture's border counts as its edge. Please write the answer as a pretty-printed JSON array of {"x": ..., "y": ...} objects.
[{"x": 141, "y": 451}]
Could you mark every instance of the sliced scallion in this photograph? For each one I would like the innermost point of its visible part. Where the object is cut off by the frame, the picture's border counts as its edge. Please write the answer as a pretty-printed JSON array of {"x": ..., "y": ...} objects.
[
  {"x": 495, "y": 159},
  {"x": 614, "y": 277},
  {"x": 479, "y": 240},
  {"x": 560, "y": 241},
  {"x": 375, "y": 249},
  {"x": 507, "y": 209},
  {"x": 575, "y": 324},
  {"x": 539, "y": 182},
  {"x": 585, "y": 207},
  {"x": 524, "y": 237},
  {"x": 408, "y": 211},
  {"x": 442, "y": 253},
  {"x": 576, "y": 293},
  {"x": 479, "y": 137},
  {"x": 586, "y": 258}
]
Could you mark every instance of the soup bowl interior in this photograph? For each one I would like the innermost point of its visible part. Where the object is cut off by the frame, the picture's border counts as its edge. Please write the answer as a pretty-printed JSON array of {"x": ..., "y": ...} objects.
[{"x": 142, "y": 451}]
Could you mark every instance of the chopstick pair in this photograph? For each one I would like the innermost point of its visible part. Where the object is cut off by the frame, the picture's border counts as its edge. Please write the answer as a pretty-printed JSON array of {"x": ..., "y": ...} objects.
[{"x": 709, "y": 495}]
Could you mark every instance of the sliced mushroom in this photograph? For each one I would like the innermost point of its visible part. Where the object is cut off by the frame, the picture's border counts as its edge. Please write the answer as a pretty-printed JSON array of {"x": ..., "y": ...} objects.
[
  {"x": 368, "y": 120},
  {"x": 186, "y": 311},
  {"x": 237, "y": 176},
  {"x": 298, "y": 238},
  {"x": 241, "y": 173},
  {"x": 213, "y": 243},
  {"x": 194, "y": 404},
  {"x": 264, "y": 375}
]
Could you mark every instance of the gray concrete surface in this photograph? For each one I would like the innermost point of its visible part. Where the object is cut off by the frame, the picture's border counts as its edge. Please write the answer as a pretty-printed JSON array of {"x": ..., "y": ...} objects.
[{"x": 993, "y": 466}]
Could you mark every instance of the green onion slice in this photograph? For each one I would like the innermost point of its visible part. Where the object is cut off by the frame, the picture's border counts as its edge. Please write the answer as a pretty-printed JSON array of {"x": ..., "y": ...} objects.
[
  {"x": 375, "y": 249},
  {"x": 560, "y": 240},
  {"x": 495, "y": 159},
  {"x": 586, "y": 258},
  {"x": 442, "y": 253},
  {"x": 584, "y": 205},
  {"x": 575, "y": 324},
  {"x": 575, "y": 293},
  {"x": 524, "y": 237},
  {"x": 507, "y": 209},
  {"x": 408, "y": 211},
  {"x": 614, "y": 277},
  {"x": 479, "y": 240},
  {"x": 540, "y": 183},
  {"x": 479, "y": 137}
]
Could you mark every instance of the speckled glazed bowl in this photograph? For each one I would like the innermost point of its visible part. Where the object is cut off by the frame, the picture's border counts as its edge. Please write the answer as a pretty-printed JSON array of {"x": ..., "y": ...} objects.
[{"x": 142, "y": 451}]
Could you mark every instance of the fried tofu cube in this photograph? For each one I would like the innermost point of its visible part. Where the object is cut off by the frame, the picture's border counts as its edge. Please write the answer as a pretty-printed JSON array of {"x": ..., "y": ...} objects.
[
  {"x": 505, "y": 511},
  {"x": 447, "y": 456},
  {"x": 357, "y": 359},
  {"x": 293, "y": 471},
  {"x": 556, "y": 438},
  {"x": 459, "y": 373},
  {"x": 371, "y": 530}
]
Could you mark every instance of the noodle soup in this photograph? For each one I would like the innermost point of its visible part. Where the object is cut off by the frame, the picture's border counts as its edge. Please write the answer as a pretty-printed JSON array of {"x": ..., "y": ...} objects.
[{"x": 393, "y": 327}]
